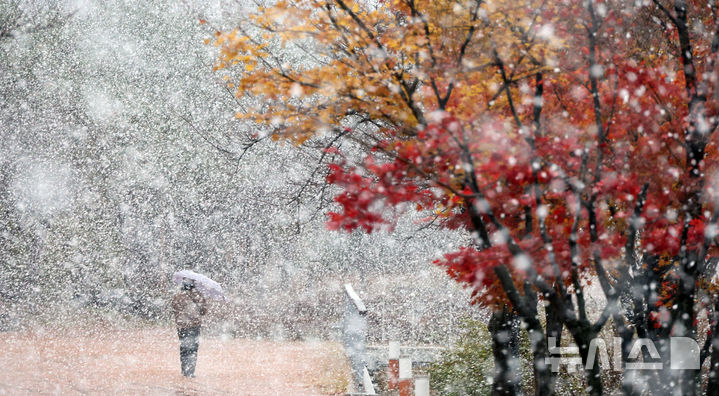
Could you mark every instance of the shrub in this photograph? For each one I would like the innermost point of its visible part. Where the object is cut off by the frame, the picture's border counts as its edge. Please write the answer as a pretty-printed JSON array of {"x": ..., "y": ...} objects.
[{"x": 466, "y": 368}]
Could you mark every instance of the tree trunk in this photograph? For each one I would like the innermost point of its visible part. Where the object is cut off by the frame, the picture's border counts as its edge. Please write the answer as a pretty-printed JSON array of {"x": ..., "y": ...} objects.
[
  {"x": 554, "y": 327},
  {"x": 583, "y": 336},
  {"x": 504, "y": 328},
  {"x": 537, "y": 341},
  {"x": 683, "y": 319},
  {"x": 713, "y": 384}
]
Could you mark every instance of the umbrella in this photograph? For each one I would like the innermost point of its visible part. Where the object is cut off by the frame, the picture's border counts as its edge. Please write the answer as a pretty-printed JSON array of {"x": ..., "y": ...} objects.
[{"x": 203, "y": 284}]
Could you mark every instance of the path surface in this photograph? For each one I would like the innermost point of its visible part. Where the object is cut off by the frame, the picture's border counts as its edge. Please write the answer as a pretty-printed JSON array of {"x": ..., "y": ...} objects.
[{"x": 146, "y": 362}]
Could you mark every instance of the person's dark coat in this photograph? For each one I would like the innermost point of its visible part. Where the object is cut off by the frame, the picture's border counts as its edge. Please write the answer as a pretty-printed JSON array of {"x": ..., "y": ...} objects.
[{"x": 188, "y": 306}]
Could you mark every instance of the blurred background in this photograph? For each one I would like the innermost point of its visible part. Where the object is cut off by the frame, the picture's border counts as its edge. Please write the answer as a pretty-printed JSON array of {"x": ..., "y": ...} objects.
[{"x": 121, "y": 162}]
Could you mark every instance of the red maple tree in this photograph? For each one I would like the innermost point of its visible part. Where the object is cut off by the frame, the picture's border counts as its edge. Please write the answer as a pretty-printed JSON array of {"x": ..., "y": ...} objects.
[{"x": 574, "y": 141}]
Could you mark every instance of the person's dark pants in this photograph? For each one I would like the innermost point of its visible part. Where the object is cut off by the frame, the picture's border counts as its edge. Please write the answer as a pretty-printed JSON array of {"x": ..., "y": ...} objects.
[{"x": 189, "y": 342}]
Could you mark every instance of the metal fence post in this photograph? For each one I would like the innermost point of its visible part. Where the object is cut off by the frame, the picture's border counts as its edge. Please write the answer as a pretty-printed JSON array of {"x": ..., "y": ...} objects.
[
  {"x": 421, "y": 385},
  {"x": 355, "y": 332},
  {"x": 393, "y": 366},
  {"x": 405, "y": 376}
]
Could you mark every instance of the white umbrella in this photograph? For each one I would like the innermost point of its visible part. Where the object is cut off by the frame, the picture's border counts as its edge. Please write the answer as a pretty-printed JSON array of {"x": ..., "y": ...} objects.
[{"x": 203, "y": 284}]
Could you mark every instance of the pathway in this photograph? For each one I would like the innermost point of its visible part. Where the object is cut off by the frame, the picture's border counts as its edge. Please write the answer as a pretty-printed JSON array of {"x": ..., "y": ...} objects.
[{"x": 146, "y": 362}]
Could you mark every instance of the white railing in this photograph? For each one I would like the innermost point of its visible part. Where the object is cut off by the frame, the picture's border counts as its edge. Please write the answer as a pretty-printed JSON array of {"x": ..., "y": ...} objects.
[{"x": 354, "y": 336}]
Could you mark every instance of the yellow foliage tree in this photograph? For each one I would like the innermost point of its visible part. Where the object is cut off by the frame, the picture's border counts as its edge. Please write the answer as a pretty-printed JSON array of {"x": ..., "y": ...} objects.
[{"x": 388, "y": 64}]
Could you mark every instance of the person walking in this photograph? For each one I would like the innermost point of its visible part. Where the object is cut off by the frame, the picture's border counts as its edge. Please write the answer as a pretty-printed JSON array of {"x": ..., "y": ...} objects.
[{"x": 188, "y": 306}]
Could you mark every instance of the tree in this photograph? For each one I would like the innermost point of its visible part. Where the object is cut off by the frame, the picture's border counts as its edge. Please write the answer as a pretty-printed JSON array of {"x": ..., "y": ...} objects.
[{"x": 574, "y": 141}]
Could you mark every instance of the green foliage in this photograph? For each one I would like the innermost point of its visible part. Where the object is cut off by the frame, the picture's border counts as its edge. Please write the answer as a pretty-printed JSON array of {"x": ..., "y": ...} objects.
[{"x": 467, "y": 368}]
